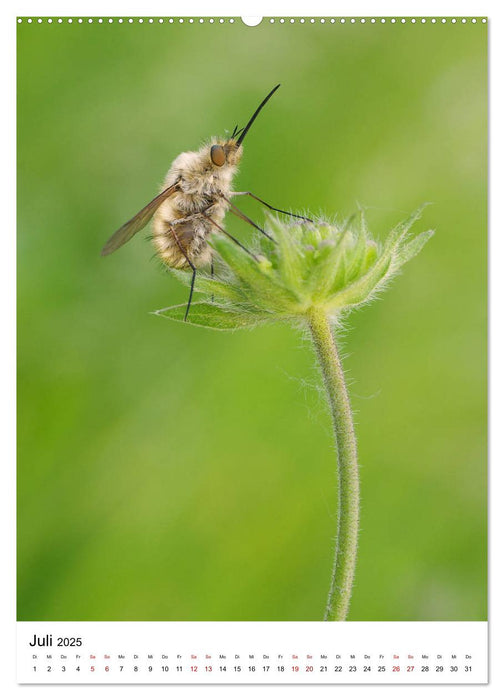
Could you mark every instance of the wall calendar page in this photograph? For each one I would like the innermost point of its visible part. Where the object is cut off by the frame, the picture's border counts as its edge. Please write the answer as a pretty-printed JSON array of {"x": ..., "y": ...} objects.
[{"x": 251, "y": 312}]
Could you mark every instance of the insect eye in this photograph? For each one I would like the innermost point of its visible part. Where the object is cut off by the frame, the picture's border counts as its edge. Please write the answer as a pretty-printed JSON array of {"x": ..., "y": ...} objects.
[{"x": 217, "y": 155}]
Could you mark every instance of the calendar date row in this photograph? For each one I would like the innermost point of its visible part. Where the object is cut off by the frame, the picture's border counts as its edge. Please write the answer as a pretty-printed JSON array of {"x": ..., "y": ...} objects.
[{"x": 308, "y": 668}]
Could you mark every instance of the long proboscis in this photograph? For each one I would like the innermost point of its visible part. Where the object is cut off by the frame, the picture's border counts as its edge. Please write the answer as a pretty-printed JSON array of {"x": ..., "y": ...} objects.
[{"x": 253, "y": 117}]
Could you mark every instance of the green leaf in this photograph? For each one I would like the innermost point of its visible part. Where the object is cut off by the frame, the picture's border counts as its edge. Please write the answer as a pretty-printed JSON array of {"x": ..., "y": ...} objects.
[{"x": 213, "y": 316}]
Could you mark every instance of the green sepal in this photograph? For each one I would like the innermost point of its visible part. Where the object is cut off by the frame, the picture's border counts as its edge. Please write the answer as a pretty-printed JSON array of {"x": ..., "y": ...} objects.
[
  {"x": 359, "y": 250},
  {"x": 361, "y": 289},
  {"x": 401, "y": 230},
  {"x": 329, "y": 268},
  {"x": 255, "y": 276},
  {"x": 288, "y": 255},
  {"x": 370, "y": 257},
  {"x": 411, "y": 248}
]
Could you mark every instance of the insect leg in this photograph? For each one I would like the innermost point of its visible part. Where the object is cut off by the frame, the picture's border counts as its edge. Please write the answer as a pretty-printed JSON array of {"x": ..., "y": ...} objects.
[
  {"x": 190, "y": 292},
  {"x": 191, "y": 265},
  {"x": 258, "y": 199},
  {"x": 237, "y": 212},
  {"x": 230, "y": 236}
]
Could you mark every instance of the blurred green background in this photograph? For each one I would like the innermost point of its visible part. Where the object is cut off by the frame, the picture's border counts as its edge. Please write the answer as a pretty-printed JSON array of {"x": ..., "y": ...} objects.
[{"x": 172, "y": 473}]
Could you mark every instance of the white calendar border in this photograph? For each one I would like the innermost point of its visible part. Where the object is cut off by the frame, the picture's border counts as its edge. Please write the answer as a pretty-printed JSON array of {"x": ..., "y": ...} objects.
[{"x": 156, "y": 8}]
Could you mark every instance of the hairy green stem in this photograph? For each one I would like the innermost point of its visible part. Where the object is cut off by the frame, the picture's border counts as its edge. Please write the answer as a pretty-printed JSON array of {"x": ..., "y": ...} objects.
[{"x": 345, "y": 552}]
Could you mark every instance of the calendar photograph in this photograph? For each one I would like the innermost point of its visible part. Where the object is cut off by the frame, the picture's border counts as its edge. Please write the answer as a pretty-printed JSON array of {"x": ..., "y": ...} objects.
[{"x": 252, "y": 322}]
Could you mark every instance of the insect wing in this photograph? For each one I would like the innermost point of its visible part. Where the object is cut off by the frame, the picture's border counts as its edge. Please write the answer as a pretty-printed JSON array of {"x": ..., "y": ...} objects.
[{"x": 137, "y": 223}]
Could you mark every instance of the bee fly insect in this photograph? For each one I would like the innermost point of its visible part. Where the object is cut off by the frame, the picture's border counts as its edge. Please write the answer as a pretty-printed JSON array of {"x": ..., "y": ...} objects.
[{"x": 194, "y": 199}]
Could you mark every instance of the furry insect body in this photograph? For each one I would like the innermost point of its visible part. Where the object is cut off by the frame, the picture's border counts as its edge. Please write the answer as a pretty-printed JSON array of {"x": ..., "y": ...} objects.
[{"x": 184, "y": 221}]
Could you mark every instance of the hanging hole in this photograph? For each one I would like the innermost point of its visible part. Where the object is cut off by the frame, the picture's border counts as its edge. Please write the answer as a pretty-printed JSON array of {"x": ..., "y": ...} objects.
[{"x": 251, "y": 21}]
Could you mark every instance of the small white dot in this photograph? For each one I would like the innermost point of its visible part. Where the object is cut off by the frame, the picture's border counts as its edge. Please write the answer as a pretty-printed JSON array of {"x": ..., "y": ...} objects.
[
  {"x": 130, "y": 21},
  {"x": 312, "y": 21},
  {"x": 111, "y": 21},
  {"x": 454, "y": 20},
  {"x": 473, "y": 21},
  {"x": 29, "y": 21},
  {"x": 221, "y": 21},
  {"x": 100, "y": 21},
  {"x": 333, "y": 20},
  {"x": 160, "y": 20},
  {"x": 292, "y": 20},
  {"x": 383, "y": 20},
  {"x": 342, "y": 20},
  {"x": 151, "y": 20},
  {"x": 90, "y": 21},
  {"x": 80, "y": 20},
  {"x": 443, "y": 20},
  {"x": 373, "y": 21},
  {"x": 463, "y": 20},
  {"x": 322, "y": 21},
  {"x": 170, "y": 21},
  {"x": 282, "y": 20},
  {"x": 302, "y": 21},
  {"x": 433, "y": 20},
  {"x": 393, "y": 20},
  {"x": 119, "y": 20},
  {"x": 201, "y": 20},
  {"x": 211, "y": 20},
  {"x": 231, "y": 21},
  {"x": 403, "y": 21},
  {"x": 49, "y": 21},
  {"x": 413, "y": 21},
  {"x": 272, "y": 21},
  {"x": 19, "y": 20},
  {"x": 424, "y": 20},
  {"x": 181, "y": 20},
  {"x": 39, "y": 21},
  {"x": 60, "y": 21},
  {"x": 484, "y": 21},
  {"x": 352, "y": 20},
  {"x": 191, "y": 20},
  {"x": 363, "y": 20}
]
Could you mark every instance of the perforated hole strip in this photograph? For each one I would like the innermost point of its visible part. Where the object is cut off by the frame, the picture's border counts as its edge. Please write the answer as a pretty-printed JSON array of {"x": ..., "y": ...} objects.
[{"x": 264, "y": 20}]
